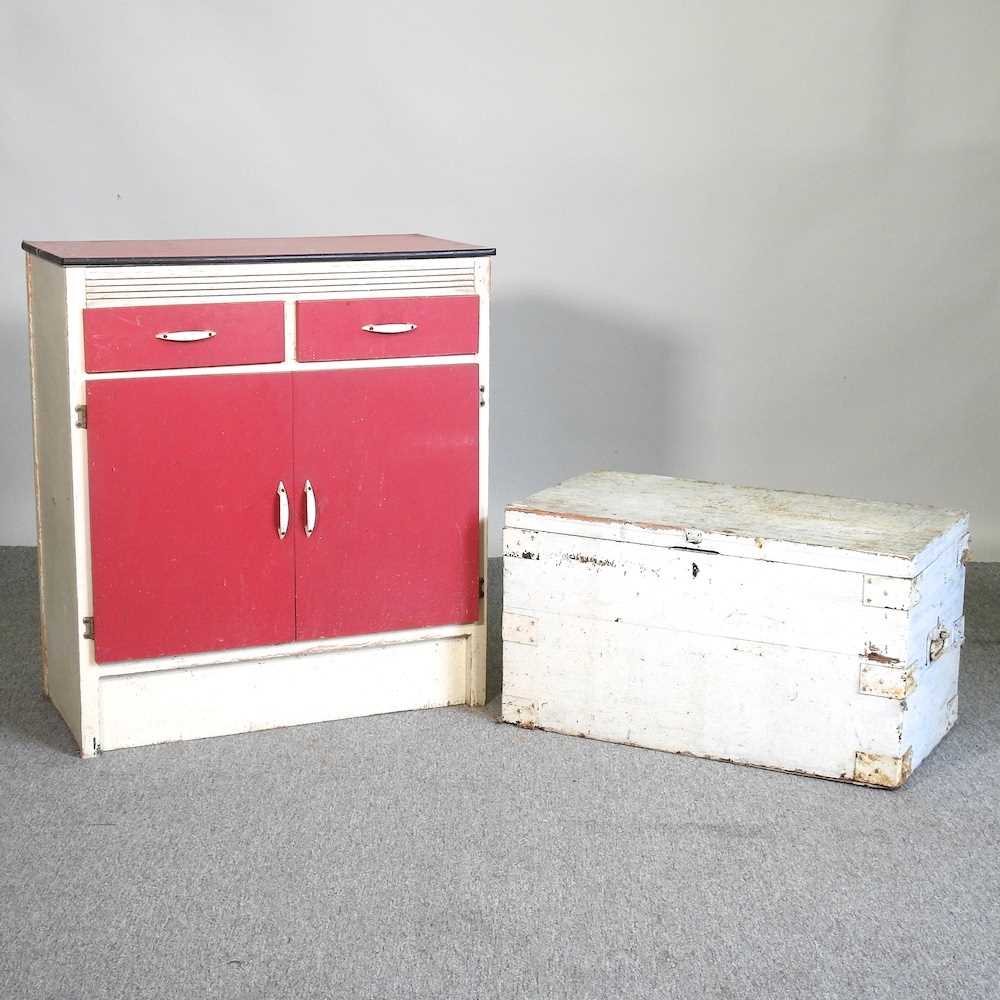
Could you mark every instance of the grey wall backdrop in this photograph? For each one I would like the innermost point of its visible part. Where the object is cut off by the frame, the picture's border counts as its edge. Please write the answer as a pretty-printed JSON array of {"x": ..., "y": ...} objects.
[{"x": 757, "y": 242}]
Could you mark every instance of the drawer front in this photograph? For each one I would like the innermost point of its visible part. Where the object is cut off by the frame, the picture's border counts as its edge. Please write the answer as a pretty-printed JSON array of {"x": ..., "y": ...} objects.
[
  {"x": 143, "y": 338},
  {"x": 412, "y": 327}
]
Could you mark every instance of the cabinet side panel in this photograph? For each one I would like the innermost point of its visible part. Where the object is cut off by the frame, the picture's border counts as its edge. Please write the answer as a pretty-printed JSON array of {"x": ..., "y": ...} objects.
[
  {"x": 477, "y": 647},
  {"x": 52, "y": 411}
]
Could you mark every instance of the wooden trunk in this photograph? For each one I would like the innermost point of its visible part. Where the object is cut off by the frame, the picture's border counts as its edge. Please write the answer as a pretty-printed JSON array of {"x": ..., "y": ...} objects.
[
  {"x": 805, "y": 633},
  {"x": 261, "y": 470}
]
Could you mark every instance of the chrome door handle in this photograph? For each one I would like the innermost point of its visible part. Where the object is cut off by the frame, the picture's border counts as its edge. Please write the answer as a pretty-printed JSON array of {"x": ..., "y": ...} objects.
[
  {"x": 282, "y": 510},
  {"x": 186, "y": 336},
  {"x": 310, "y": 508},
  {"x": 389, "y": 327}
]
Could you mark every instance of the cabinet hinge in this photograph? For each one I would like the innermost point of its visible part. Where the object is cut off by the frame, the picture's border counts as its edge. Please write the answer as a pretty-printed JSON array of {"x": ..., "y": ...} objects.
[
  {"x": 482, "y": 395},
  {"x": 81, "y": 416},
  {"x": 88, "y": 627},
  {"x": 482, "y": 588}
]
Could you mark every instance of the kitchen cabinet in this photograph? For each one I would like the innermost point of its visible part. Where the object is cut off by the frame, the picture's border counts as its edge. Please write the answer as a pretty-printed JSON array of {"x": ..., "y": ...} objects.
[{"x": 261, "y": 470}]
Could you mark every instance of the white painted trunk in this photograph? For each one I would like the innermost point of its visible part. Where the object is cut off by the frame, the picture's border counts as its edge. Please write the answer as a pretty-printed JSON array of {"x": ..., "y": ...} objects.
[{"x": 623, "y": 627}]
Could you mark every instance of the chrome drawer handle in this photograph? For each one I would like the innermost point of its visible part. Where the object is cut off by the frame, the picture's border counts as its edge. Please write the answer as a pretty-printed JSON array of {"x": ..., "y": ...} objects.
[
  {"x": 282, "y": 510},
  {"x": 310, "y": 508},
  {"x": 389, "y": 327},
  {"x": 186, "y": 336}
]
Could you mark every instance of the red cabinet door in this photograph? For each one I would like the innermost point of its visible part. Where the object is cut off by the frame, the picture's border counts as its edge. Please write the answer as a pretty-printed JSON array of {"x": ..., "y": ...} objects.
[
  {"x": 184, "y": 510},
  {"x": 392, "y": 459}
]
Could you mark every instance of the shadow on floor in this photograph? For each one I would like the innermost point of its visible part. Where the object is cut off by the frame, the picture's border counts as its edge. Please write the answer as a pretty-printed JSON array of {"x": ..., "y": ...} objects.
[{"x": 27, "y": 717}]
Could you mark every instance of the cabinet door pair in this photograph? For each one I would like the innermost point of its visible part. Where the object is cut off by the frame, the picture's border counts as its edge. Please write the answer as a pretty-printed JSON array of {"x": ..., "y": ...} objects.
[{"x": 379, "y": 471}]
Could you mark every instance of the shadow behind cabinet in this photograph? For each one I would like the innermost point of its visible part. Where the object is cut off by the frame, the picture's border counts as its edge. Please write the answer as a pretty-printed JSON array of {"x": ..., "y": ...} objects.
[{"x": 261, "y": 474}]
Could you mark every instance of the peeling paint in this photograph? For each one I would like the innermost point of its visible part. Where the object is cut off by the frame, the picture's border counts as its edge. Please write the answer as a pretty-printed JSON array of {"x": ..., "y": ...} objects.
[
  {"x": 589, "y": 560},
  {"x": 872, "y": 653}
]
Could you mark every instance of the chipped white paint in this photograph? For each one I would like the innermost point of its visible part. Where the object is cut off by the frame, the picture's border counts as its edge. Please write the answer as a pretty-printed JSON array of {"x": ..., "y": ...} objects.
[
  {"x": 865, "y": 536},
  {"x": 620, "y": 628}
]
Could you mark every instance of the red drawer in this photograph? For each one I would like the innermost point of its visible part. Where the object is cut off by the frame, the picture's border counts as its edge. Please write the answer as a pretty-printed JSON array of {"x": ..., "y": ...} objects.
[
  {"x": 360, "y": 329},
  {"x": 142, "y": 338}
]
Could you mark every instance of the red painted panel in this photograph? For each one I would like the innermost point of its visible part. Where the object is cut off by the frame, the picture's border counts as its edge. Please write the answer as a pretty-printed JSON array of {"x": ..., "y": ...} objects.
[
  {"x": 183, "y": 513},
  {"x": 334, "y": 330},
  {"x": 393, "y": 457},
  {"x": 124, "y": 339}
]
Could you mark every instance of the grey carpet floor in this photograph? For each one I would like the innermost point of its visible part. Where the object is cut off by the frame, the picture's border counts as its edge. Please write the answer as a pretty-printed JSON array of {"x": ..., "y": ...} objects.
[{"x": 441, "y": 854}]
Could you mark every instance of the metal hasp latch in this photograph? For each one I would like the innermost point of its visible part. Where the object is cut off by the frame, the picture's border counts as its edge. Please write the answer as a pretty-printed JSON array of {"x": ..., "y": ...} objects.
[
  {"x": 939, "y": 639},
  {"x": 81, "y": 415},
  {"x": 88, "y": 627}
]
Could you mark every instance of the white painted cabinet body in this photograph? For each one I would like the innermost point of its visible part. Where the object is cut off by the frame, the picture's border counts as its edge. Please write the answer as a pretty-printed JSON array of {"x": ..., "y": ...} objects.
[
  {"x": 261, "y": 471},
  {"x": 784, "y": 630}
]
